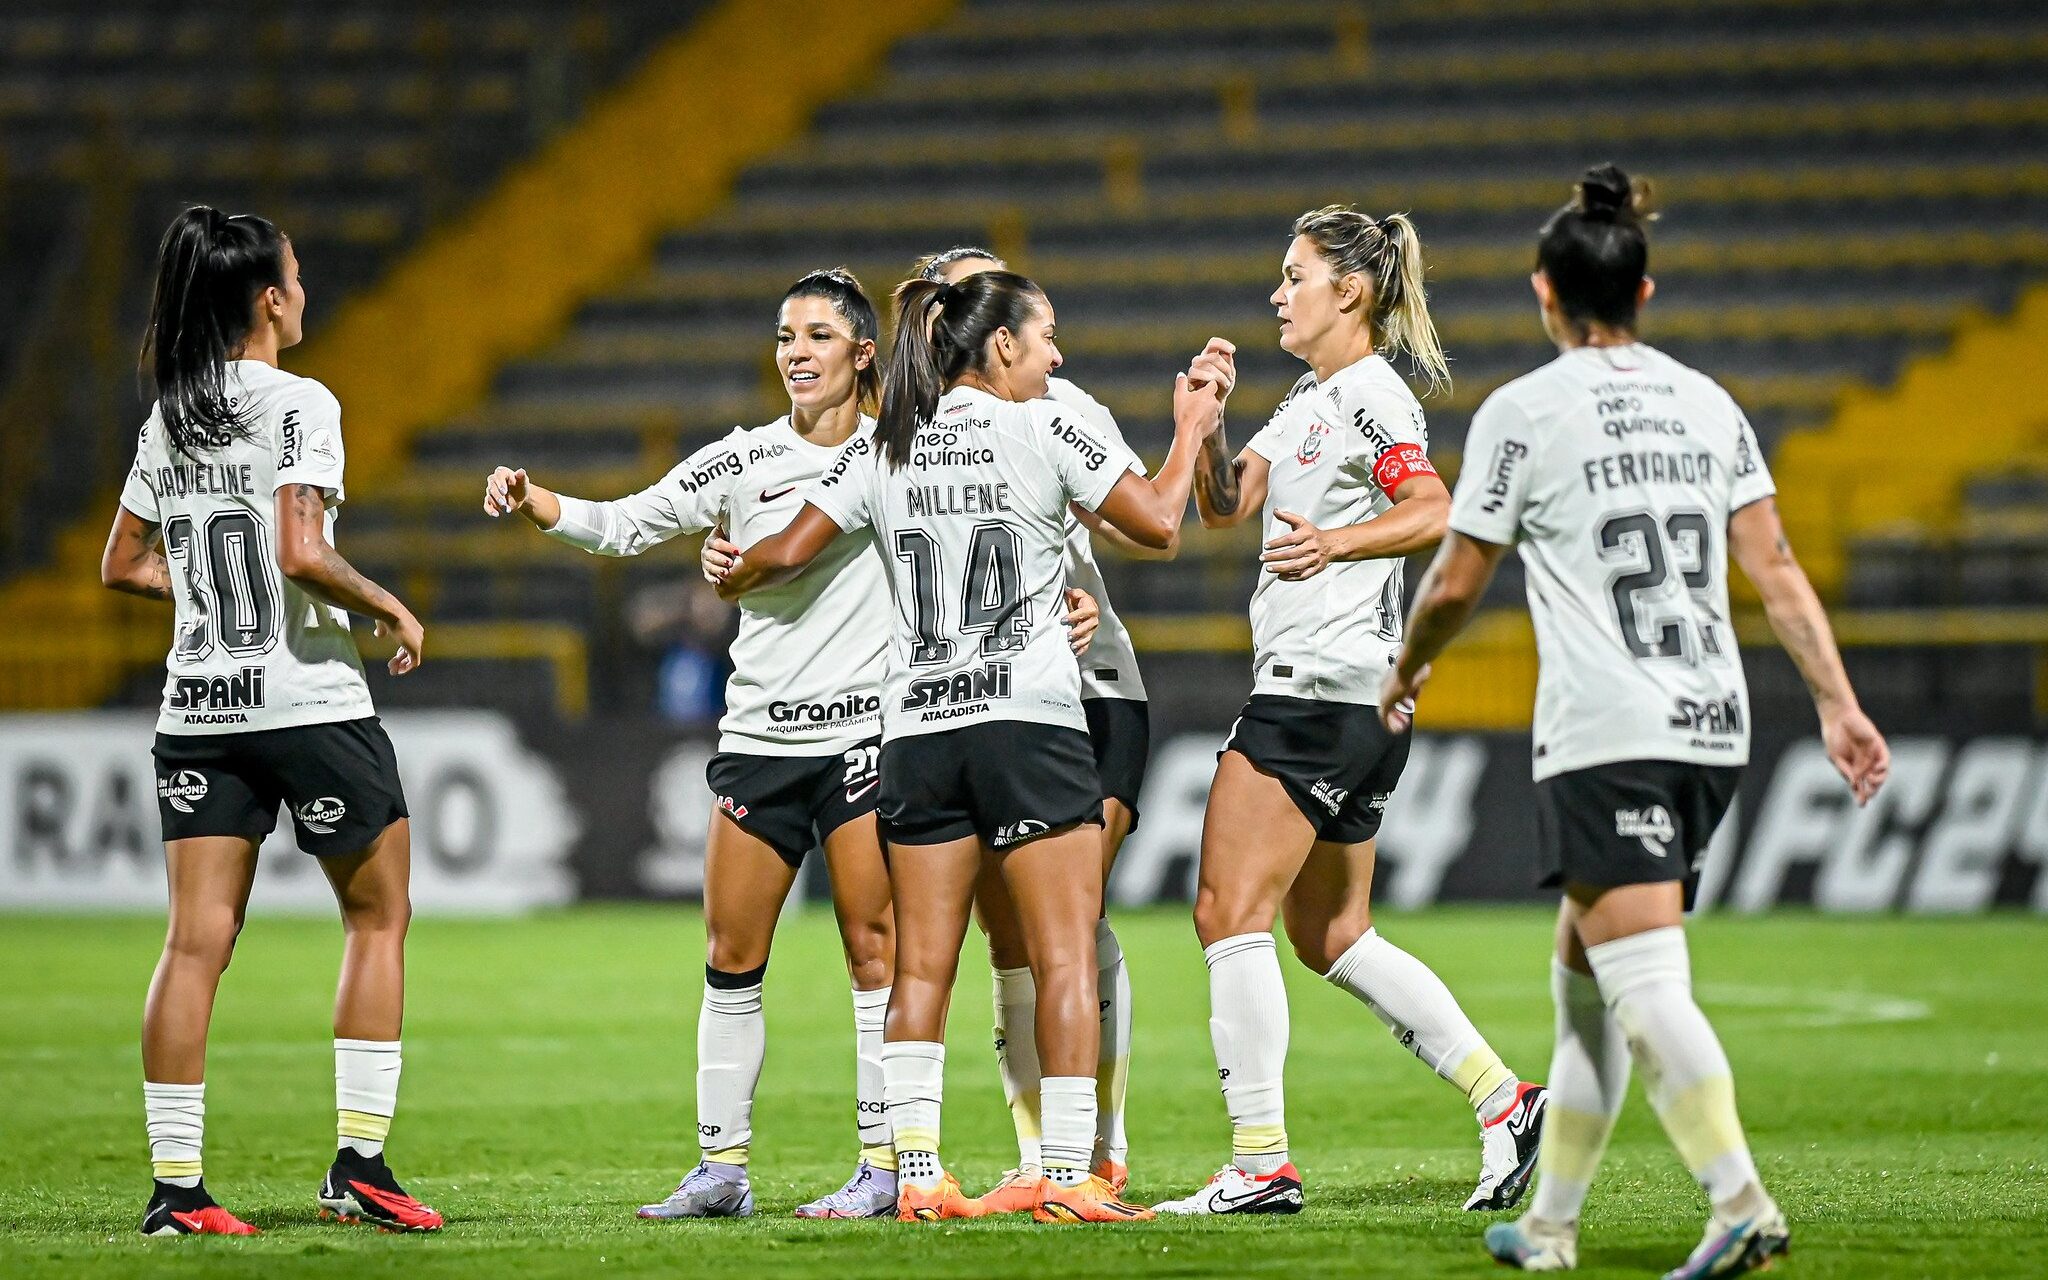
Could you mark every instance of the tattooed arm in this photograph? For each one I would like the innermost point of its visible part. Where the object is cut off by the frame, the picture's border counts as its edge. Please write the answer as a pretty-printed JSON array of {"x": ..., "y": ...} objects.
[
  {"x": 305, "y": 556},
  {"x": 1228, "y": 490},
  {"x": 133, "y": 562}
]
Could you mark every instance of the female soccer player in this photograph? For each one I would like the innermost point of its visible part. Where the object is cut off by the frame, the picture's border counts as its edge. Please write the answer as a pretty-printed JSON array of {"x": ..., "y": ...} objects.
[
  {"x": 1345, "y": 488},
  {"x": 237, "y": 474},
  {"x": 798, "y": 756},
  {"x": 1616, "y": 469},
  {"x": 966, "y": 486}
]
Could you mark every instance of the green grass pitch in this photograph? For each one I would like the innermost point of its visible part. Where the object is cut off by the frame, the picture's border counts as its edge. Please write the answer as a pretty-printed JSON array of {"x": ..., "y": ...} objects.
[{"x": 1893, "y": 1075}]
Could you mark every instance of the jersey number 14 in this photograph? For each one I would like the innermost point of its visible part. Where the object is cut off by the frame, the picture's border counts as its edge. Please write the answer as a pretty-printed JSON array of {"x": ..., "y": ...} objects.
[{"x": 991, "y": 595}]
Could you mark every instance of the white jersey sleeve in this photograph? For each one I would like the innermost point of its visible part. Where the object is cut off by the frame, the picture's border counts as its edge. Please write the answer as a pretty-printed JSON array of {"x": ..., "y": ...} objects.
[
  {"x": 138, "y": 493},
  {"x": 308, "y": 444},
  {"x": 1087, "y": 463},
  {"x": 843, "y": 493},
  {"x": 1110, "y": 667},
  {"x": 1751, "y": 474},
  {"x": 691, "y": 498},
  {"x": 1493, "y": 485},
  {"x": 1387, "y": 426}
]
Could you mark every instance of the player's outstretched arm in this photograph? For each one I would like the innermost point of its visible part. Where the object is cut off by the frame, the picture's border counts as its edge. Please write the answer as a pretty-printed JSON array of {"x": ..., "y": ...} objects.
[
  {"x": 305, "y": 556},
  {"x": 1149, "y": 512},
  {"x": 1450, "y": 590},
  {"x": 1756, "y": 538},
  {"x": 779, "y": 556},
  {"x": 133, "y": 562},
  {"x": 508, "y": 490}
]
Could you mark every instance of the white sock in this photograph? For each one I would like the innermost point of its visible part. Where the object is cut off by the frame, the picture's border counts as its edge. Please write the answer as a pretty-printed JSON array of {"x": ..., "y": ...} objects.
[
  {"x": 1248, "y": 1026},
  {"x": 1588, "y": 1082},
  {"x": 175, "y": 1116},
  {"x": 914, "y": 1086},
  {"x": 365, "y": 1092},
  {"x": 1069, "y": 1110},
  {"x": 1647, "y": 982},
  {"x": 1424, "y": 1016},
  {"x": 1113, "y": 1075},
  {"x": 1017, "y": 1057},
  {"x": 870, "y": 1011},
  {"x": 732, "y": 1041}
]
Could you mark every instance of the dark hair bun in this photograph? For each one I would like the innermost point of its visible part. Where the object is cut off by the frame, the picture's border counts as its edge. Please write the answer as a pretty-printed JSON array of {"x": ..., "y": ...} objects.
[{"x": 1606, "y": 194}]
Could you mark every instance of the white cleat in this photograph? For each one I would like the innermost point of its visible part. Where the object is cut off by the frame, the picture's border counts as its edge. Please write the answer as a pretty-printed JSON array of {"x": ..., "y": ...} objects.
[
  {"x": 1507, "y": 1152},
  {"x": 703, "y": 1193},
  {"x": 1532, "y": 1244},
  {"x": 1232, "y": 1190},
  {"x": 1731, "y": 1248}
]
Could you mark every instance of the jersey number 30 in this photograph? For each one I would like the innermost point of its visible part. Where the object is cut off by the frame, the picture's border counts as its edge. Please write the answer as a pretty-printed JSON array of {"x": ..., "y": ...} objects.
[
  {"x": 991, "y": 596},
  {"x": 226, "y": 572}
]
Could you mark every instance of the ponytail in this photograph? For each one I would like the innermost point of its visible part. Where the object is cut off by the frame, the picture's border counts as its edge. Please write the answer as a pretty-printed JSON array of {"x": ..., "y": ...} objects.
[
  {"x": 1388, "y": 252},
  {"x": 210, "y": 267},
  {"x": 1596, "y": 250},
  {"x": 942, "y": 331}
]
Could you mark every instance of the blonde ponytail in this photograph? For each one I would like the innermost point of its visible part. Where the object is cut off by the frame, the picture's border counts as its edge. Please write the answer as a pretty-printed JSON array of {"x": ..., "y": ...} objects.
[{"x": 1388, "y": 252}]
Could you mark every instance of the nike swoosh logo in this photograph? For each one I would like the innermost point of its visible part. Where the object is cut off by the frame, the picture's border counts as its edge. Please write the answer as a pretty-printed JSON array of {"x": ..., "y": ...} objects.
[
  {"x": 766, "y": 496},
  {"x": 1262, "y": 1193},
  {"x": 852, "y": 796}
]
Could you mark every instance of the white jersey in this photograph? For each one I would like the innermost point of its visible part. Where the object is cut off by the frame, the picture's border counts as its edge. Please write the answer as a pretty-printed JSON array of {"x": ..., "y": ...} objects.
[
  {"x": 807, "y": 665},
  {"x": 972, "y": 530},
  {"x": 1615, "y": 469},
  {"x": 1338, "y": 450},
  {"x": 1110, "y": 667},
  {"x": 252, "y": 651}
]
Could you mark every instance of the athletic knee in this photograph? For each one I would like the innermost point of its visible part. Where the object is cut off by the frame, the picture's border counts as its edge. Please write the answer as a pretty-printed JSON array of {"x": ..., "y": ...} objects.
[
  {"x": 870, "y": 955},
  {"x": 729, "y": 954},
  {"x": 1319, "y": 949},
  {"x": 388, "y": 919},
  {"x": 206, "y": 942},
  {"x": 1220, "y": 915}
]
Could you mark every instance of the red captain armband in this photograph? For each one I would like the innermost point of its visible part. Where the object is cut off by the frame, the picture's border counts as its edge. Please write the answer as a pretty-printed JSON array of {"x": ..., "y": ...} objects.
[{"x": 1399, "y": 464}]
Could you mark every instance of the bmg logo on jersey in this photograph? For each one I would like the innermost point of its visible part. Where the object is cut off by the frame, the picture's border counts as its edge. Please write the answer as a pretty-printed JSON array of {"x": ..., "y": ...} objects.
[
  {"x": 945, "y": 697},
  {"x": 1087, "y": 446},
  {"x": 241, "y": 692},
  {"x": 726, "y": 464},
  {"x": 1651, "y": 826},
  {"x": 319, "y": 816},
  {"x": 1506, "y": 455},
  {"x": 182, "y": 789}
]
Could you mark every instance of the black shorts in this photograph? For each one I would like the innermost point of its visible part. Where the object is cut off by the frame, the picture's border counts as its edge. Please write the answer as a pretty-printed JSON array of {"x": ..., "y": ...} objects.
[
  {"x": 1337, "y": 761},
  {"x": 1120, "y": 730},
  {"x": 1631, "y": 822},
  {"x": 794, "y": 802},
  {"x": 1007, "y": 781},
  {"x": 340, "y": 781}
]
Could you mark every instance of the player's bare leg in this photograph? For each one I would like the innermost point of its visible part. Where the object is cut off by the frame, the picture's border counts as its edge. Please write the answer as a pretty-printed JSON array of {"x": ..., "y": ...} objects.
[
  {"x": 1254, "y": 842},
  {"x": 867, "y": 931},
  {"x": 373, "y": 889},
  {"x": 209, "y": 880},
  {"x": 1329, "y": 918},
  {"x": 934, "y": 886},
  {"x": 745, "y": 884}
]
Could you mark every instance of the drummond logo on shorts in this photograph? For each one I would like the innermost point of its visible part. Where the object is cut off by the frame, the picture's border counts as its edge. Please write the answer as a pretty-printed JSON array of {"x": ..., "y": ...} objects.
[
  {"x": 182, "y": 789},
  {"x": 1018, "y": 832},
  {"x": 319, "y": 816},
  {"x": 1651, "y": 826},
  {"x": 1331, "y": 798}
]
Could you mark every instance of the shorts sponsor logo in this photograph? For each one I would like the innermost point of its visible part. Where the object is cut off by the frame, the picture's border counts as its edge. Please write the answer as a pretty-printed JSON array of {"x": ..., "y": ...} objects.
[
  {"x": 1018, "y": 832},
  {"x": 732, "y": 806},
  {"x": 964, "y": 694},
  {"x": 1331, "y": 798},
  {"x": 319, "y": 816},
  {"x": 182, "y": 789},
  {"x": 1651, "y": 826},
  {"x": 1378, "y": 803}
]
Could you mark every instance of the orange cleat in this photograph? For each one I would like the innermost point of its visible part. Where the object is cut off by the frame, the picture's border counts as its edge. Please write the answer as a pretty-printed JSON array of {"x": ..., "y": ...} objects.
[
  {"x": 189, "y": 1211},
  {"x": 943, "y": 1202},
  {"x": 1017, "y": 1192},
  {"x": 1118, "y": 1176},
  {"x": 1090, "y": 1201}
]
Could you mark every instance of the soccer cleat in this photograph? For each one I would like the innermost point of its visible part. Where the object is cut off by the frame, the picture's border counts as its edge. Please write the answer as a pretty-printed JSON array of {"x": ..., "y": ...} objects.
[
  {"x": 1090, "y": 1201},
  {"x": 1015, "y": 1192},
  {"x": 869, "y": 1193},
  {"x": 1731, "y": 1248},
  {"x": 947, "y": 1200},
  {"x": 1507, "y": 1152},
  {"x": 1232, "y": 1190},
  {"x": 360, "y": 1188},
  {"x": 189, "y": 1211},
  {"x": 1118, "y": 1176},
  {"x": 1533, "y": 1245},
  {"x": 704, "y": 1194}
]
